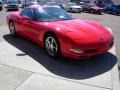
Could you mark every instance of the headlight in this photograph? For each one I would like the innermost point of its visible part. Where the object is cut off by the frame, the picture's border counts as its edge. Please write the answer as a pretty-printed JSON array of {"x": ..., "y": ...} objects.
[
  {"x": 109, "y": 29},
  {"x": 77, "y": 51}
]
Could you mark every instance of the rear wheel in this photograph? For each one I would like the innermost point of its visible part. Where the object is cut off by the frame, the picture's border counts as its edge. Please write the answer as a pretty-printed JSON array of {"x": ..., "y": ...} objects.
[
  {"x": 52, "y": 46},
  {"x": 91, "y": 11},
  {"x": 12, "y": 29}
]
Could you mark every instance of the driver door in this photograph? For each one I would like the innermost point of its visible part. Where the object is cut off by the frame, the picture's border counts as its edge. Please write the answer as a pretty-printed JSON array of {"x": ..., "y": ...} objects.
[{"x": 28, "y": 25}]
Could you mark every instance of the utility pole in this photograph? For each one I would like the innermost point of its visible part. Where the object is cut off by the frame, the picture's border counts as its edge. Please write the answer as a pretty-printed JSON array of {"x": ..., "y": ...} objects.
[{"x": 25, "y": 2}]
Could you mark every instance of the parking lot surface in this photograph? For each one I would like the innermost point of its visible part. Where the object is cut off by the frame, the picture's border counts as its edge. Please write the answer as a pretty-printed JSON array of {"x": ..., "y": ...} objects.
[{"x": 25, "y": 66}]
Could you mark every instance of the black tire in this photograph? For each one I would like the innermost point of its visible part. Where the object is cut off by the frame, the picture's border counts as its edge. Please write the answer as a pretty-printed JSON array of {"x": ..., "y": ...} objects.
[
  {"x": 12, "y": 28},
  {"x": 114, "y": 12},
  {"x": 92, "y": 11},
  {"x": 70, "y": 10},
  {"x": 100, "y": 13},
  {"x": 80, "y": 11},
  {"x": 52, "y": 47},
  {"x": 17, "y": 9},
  {"x": 1, "y": 9}
]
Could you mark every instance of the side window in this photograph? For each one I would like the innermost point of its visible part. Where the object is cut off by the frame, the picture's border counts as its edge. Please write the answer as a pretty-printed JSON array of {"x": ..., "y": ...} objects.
[
  {"x": 39, "y": 15},
  {"x": 28, "y": 13}
]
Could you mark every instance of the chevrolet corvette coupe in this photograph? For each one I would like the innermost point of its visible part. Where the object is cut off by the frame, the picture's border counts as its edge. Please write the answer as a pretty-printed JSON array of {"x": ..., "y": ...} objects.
[{"x": 59, "y": 33}]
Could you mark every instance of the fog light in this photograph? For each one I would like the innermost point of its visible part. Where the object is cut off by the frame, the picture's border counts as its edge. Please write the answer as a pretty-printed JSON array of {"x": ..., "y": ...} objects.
[{"x": 77, "y": 51}]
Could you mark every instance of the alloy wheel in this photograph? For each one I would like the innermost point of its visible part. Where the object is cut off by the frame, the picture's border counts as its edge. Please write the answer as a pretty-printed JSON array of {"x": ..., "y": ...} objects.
[
  {"x": 12, "y": 29},
  {"x": 51, "y": 46}
]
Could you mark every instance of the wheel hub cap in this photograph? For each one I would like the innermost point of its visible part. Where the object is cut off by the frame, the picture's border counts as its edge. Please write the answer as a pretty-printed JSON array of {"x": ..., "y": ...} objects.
[
  {"x": 11, "y": 29},
  {"x": 51, "y": 46}
]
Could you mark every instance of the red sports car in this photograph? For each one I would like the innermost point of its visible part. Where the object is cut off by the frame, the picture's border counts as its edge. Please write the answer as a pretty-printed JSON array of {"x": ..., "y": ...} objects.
[{"x": 59, "y": 33}]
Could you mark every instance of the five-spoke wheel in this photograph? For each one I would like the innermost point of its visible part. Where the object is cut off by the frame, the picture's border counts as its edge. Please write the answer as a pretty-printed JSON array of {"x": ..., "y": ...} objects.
[
  {"x": 12, "y": 29},
  {"x": 52, "y": 46}
]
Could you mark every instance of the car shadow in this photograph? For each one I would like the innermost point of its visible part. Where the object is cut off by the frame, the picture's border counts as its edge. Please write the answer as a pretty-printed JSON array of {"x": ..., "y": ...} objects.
[{"x": 67, "y": 68}]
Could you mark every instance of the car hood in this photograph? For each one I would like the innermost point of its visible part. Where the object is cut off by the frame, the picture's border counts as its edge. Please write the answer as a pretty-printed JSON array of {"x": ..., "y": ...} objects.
[
  {"x": 96, "y": 8},
  {"x": 78, "y": 29},
  {"x": 75, "y": 7}
]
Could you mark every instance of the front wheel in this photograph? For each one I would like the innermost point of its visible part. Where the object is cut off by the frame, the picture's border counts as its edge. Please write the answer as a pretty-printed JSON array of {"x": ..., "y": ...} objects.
[
  {"x": 70, "y": 10},
  {"x": 52, "y": 46},
  {"x": 12, "y": 29},
  {"x": 115, "y": 13},
  {"x": 1, "y": 9}
]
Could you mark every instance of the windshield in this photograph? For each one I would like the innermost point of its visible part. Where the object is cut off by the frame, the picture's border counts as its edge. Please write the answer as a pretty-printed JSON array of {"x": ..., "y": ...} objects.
[
  {"x": 81, "y": 3},
  {"x": 51, "y": 14},
  {"x": 12, "y": 2},
  {"x": 34, "y": 3},
  {"x": 93, "y": 5}
]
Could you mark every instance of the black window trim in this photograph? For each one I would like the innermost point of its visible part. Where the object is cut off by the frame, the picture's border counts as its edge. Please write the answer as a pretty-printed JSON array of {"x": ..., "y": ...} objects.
[{"x": 34, "y": 14}]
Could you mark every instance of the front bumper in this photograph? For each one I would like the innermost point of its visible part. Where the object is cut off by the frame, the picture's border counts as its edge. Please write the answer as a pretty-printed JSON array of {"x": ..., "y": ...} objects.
[
  {"x": 88, "y": 48},
  {"x": 77, "y": 9},
  {"x": 12, "y": 7},
  {"x": 88, "y": 53}
]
